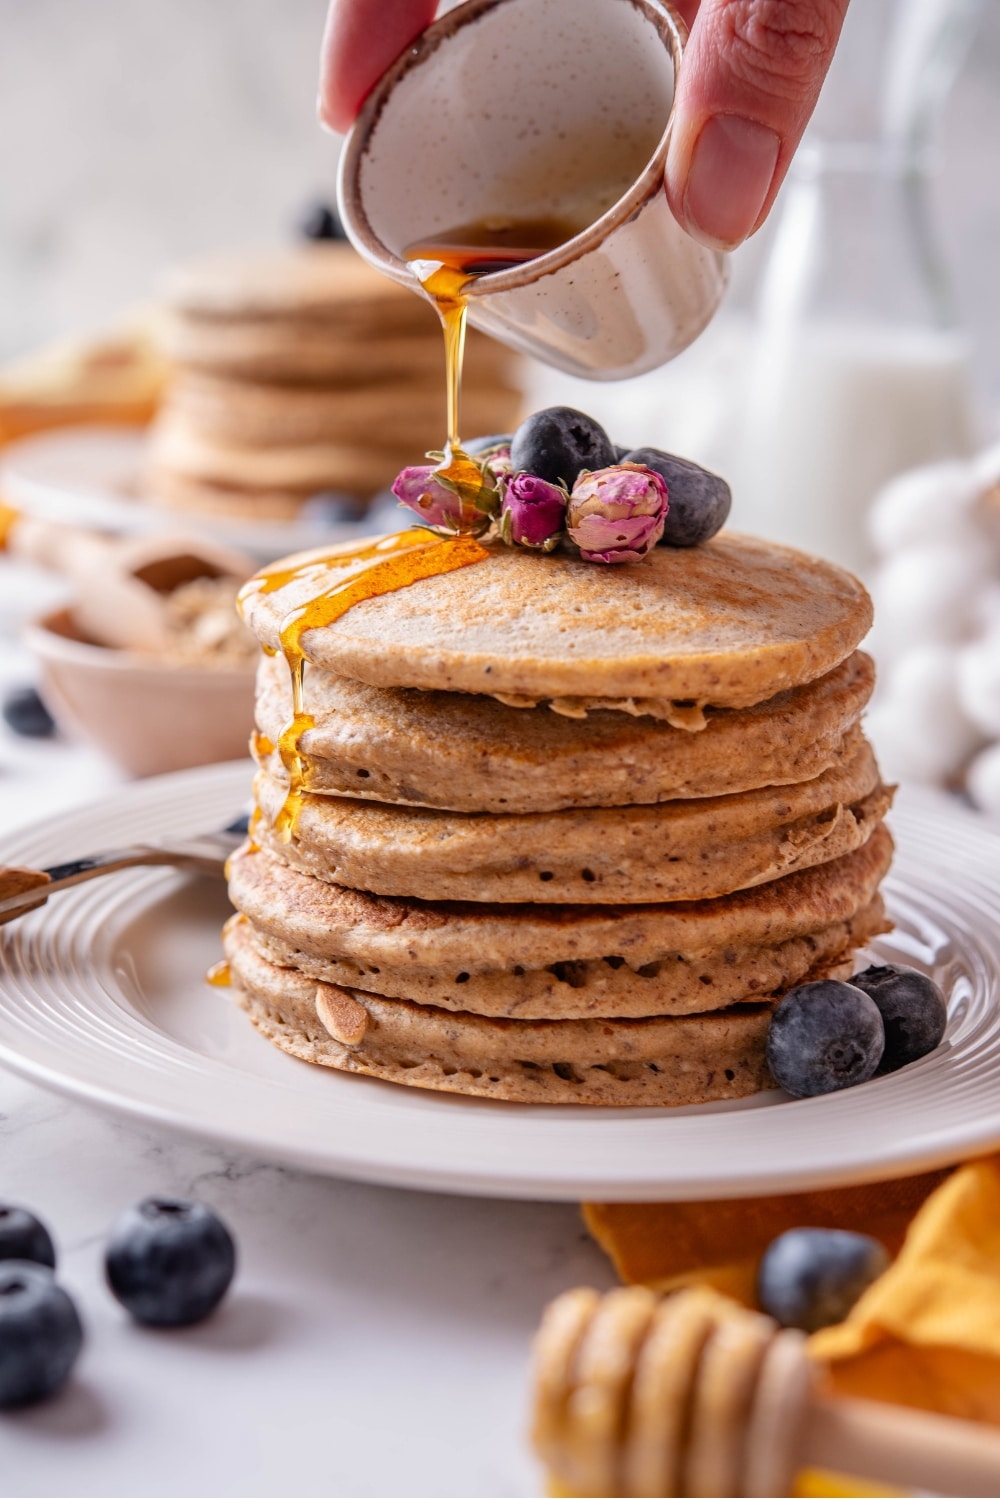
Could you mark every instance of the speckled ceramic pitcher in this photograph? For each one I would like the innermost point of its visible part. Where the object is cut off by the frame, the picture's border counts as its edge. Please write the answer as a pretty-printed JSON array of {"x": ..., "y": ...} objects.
[{"x": 541, "y": 109}]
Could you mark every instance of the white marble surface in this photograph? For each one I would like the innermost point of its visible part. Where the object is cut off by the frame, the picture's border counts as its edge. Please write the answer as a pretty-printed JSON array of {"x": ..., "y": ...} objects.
[{"x": 375, "y": 1342}]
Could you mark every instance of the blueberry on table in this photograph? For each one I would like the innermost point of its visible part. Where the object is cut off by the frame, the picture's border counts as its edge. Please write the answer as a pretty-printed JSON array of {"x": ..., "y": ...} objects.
[
  {"x": 699, "y": 501},
  {"x": 26, "y": 714},
  {"x": 913, "y": 1009},
  {"x": 484, "y": 444},
  {"x": 321, "y": 222},
  {"x": 169, "y": 1261},
  {"x": 810, "y": 1278},
  {"x": 40, "y": 1333},
  {"x": 558, "y": 443},
  {"x": 23, "y": 1237},
  {"x": 824, "y": 1036}
]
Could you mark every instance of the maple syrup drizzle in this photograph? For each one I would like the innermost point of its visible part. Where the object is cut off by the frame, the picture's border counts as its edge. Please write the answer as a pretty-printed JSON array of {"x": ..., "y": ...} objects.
[
  {"x": 219, "y": 974},
  {"x": 445, "y": 264},
  {"x": 372, "y": 568}
]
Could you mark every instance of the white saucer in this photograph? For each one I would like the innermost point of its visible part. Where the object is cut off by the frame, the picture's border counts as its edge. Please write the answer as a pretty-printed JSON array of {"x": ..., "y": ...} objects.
[
  {"x": 102, "y": 997},
  {"x": 91, "y": 476}
]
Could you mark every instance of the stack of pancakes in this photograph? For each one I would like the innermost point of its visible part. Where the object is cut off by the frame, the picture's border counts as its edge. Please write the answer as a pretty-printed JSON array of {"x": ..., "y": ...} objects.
[
  {"x": 568, "y": 830},
  {"x": 300, "y": 374}
]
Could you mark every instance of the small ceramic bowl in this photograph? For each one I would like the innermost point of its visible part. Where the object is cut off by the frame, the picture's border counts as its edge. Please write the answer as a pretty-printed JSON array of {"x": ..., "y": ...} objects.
[
  {"x": 514, "y": 109},
  {"x": 147, "y": 715}
]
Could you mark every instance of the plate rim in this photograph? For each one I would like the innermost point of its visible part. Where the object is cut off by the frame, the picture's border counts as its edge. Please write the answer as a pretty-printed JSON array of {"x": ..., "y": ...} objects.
[{"x": 906, "y": 1157}]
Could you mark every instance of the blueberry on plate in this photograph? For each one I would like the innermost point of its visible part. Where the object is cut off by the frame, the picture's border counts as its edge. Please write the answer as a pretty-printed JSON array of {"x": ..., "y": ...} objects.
[
  {"x": 824, "y": 1036},
  {"x": 699, "y": 502},
  {"x": 321, "y": 222},
  {"x": 40, "y": 1333},
  {"x": 26, "y": 714},
  {"x": 23, "y": 1237},
  {"x": 913, "y": 1009},
  {"x": 484, "y": 444},
  {"x": 558, "y": 443},
  {"x": 169, "y": 1261},
  {"x": 810, "y": 1278}
]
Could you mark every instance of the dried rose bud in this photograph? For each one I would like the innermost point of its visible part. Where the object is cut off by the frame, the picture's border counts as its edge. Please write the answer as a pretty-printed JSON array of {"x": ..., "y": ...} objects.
[
  {"x": 496, "y": 463},
  {"x": 533, "y": 512},
  {"x": 441, "y": 505},
  {"x": 616, "y": 515}
]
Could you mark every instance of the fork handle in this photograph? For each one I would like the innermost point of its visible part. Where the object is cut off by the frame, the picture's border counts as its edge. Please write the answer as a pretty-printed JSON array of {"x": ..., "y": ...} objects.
[{"x": 21, "y": 890}]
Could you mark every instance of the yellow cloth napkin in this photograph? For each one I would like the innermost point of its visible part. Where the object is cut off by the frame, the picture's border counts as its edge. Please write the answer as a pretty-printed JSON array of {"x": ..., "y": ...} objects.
[{"x": 926, "y": 1334}]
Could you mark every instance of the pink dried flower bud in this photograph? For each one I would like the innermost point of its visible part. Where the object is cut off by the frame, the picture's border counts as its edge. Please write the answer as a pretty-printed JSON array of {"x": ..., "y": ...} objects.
[
  {"x": 533, "y": 512},
  {"x": 439, "y": 504},
  {"x": 616, "y": 515},
  {"x": 497, "y": 465}
]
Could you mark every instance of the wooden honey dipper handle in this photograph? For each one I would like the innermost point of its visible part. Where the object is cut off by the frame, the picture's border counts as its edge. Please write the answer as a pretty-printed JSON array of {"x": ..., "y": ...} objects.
[
  {"x": 694, "y": 1395},
  {"x": 900, "y": 1447}
]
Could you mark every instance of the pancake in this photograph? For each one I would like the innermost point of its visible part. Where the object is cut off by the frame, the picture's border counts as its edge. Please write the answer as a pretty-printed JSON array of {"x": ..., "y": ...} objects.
[
  {"x": 177, "y": 446},
  {"x": 309, "y": 354},
  {"x": 673, "y": 985},
  {"x": 662, "y": 1061},
  {"x": 331, "y": 921},
  {"x": 257, "y": 415},
  {"x": 729, "y": 623},
  {"x": 670, "y": 851},
  {"x": 179, "y": 492},
  {"x": 469, "y": 753}
]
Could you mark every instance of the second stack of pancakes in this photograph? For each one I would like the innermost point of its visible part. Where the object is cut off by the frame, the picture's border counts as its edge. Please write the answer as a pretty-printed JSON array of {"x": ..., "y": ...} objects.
[
  {"x": 300, "y": 374},
  {"x": 568, "y": 832}
]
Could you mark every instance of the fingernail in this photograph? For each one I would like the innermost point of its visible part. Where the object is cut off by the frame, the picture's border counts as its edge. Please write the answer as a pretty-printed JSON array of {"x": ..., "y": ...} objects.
[{"x": 732, "y": 166}]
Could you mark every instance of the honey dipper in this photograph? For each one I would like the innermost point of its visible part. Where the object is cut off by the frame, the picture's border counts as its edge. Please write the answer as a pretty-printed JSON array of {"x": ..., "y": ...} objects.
[
  {"x": 691, "y": 1394},
  {"x": 123, "y": 582}
]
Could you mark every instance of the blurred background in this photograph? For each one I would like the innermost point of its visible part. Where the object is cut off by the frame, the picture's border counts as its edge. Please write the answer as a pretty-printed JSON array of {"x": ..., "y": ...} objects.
[{"x": 860, "y": 339}]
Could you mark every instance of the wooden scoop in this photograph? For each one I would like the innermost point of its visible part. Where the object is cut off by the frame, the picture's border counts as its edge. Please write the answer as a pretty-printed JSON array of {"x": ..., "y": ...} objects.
[
  {"x": 123, "y": 583},
  {"x": 691, "y": 1394}
]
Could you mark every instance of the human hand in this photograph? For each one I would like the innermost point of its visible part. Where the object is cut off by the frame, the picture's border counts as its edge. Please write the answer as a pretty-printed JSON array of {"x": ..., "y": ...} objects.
[{"x": 752, "y": 74}]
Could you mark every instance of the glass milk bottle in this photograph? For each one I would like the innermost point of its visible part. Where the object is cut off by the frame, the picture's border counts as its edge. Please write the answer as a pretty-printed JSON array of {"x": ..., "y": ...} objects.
[{"x": 859, "y": 367}]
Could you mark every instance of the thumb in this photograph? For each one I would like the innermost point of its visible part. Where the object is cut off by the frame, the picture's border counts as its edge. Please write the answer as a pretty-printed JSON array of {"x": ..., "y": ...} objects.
[{"x": 751, "y": 76}]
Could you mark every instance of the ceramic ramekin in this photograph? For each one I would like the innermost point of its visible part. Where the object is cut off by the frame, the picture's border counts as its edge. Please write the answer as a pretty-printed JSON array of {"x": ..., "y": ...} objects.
[{"x": 533, "y": 109}]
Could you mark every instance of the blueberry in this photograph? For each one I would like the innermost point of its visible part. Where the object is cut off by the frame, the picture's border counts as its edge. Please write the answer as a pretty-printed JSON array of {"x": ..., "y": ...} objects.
[
  {"x": 557, "y": 443},
  {"x": 913, "y": 1009},
  {"x": 810, "y": 1278},
  {"x": 484, "y": 444},
  {"x": 621, "y": 453},
  {"x": 26, "y": 714},
  {"x": 824, "y": 1036},
  {"x": 321, "y": 222},
  {"x": 331, "y": 508},
  {"x": 699, "y": 501},
  {"x": 40, "y": 1333},
  {"x": 23, "y": 1237},
  {"x": 169, "y": 1261}
]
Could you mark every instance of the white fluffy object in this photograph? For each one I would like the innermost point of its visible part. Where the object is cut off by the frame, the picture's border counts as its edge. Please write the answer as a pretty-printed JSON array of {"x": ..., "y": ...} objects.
[
  {"x": 929, "y": 594},
  {"x": 922, "y": 504},
  {"x": 918, "y": 727},
  {"x": 977, "y": 676}
]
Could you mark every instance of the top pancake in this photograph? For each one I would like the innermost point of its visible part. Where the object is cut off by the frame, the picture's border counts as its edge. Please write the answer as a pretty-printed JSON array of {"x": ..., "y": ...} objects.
[{"x": 729, "y": 623}]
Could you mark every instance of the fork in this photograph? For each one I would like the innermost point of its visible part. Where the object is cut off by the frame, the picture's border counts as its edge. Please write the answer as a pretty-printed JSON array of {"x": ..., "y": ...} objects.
[{"x": 22, "y": 890}]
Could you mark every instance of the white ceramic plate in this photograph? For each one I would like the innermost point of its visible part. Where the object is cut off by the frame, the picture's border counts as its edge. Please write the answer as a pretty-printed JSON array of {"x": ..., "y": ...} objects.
[
  {"x": 102, "y": 996},
  {"x": 91, "y": 476}
]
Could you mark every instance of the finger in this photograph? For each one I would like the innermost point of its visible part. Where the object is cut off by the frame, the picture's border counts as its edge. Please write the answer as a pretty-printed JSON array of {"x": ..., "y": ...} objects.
[
  {"x": 751, "y": 75},
  {"x": 361, "y": 39}
]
